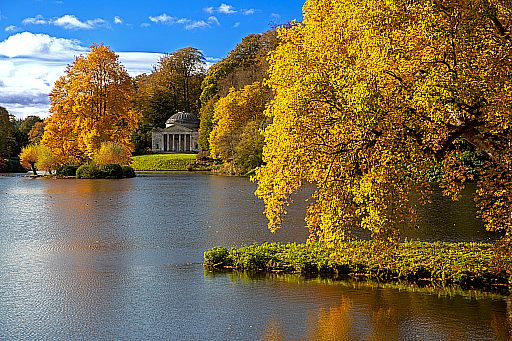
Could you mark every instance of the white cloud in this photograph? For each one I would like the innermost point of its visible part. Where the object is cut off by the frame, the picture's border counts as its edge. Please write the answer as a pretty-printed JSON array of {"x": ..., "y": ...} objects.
[
  {"x": 37, "y": 20},
  {"x": 31, "y": 63},
  {"x": 189, "y": 24},
  {"x": 41, "y": 46},
  {"x": 226, "y": 9},
  {"x": 235, "y": 25},
  {"x": 196, "y": 24},
  {"x": 118, "y": 20},
  {"x": 11, "y": 28},
  {"x": 213, "y": 20},
  {"x": 249, "y": 11},
  {"x": 163, "y": 18},
  {"x": 67, "y": 21}
]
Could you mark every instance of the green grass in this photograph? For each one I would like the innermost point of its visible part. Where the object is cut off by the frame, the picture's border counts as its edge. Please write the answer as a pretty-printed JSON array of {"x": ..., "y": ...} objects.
[
  {"x": 469, "y": 265},
  {"x": 162, "y": 162}
]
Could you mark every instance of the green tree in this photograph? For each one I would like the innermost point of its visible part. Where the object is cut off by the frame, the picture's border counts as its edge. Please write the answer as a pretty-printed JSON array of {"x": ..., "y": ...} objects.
[
  {"x": 371, "y": 95},
  {"x": 8, "y": 142},
  {"x": 174, "y": 85}
]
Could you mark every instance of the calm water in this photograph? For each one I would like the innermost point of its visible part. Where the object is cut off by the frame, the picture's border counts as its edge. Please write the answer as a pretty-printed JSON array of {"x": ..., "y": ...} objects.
[{"x": 121, "y": 259}]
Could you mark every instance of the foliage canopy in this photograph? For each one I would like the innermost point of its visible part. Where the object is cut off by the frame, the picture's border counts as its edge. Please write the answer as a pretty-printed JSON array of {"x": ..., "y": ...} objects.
[
  {"x": 91, "y": 104},
  {"x": 371, "y": 95}
]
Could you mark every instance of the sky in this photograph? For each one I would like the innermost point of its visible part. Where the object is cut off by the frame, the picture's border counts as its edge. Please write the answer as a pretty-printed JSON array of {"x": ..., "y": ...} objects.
[{"x": 39, "y": 38}]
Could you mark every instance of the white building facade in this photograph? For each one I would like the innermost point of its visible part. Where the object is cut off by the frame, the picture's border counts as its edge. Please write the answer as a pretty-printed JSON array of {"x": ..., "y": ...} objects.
[{"x": 180, "y": 135}]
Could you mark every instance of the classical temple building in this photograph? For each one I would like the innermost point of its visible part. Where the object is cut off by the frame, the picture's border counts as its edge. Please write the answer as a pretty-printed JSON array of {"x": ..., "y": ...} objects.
[{"x": 179, "y": 135}]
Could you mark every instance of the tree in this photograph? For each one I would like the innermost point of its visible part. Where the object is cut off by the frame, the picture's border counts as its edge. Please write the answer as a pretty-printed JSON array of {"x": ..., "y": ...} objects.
[
  {"x": 36, "y": 132},
  {"x": 371, "y": 95},
  {"x": 244, "y": 65},
  {"x": 35, "y": 157},
  {"x": 174, "y": 85},
  {"x": 112, "y": 153},
  {"x": 28, "y": 158},
  {"x": 238, "y": 117},
  {"x": 91, "y": 104},
  {"x": 8, "y": 143}
]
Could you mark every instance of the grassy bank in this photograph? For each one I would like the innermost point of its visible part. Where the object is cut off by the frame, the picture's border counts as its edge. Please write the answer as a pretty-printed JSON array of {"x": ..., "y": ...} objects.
[
  {"x": 162, "y": 162},
  {"x": 469, "y": 265}
]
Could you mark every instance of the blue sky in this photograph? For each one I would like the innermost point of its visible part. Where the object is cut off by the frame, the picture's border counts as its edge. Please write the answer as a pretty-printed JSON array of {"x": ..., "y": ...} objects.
[{"x": 38, "y": 38}]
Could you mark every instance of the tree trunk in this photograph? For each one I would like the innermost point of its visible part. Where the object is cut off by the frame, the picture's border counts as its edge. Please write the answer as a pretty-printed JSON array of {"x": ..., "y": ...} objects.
[{"x": 33, "y": 165}]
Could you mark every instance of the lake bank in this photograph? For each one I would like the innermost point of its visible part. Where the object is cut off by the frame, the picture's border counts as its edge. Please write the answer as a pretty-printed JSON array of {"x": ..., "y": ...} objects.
[{"x": 468, "y": 265}]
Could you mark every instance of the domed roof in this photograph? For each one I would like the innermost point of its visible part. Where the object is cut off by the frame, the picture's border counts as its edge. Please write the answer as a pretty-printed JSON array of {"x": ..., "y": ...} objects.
[{"x": 185, "y": 119}]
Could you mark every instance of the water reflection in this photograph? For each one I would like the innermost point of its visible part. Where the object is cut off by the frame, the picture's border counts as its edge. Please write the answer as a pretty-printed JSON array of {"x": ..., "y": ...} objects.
[
  {"x": 355, "y": 311},
  {"x": 82, "y": 259}
]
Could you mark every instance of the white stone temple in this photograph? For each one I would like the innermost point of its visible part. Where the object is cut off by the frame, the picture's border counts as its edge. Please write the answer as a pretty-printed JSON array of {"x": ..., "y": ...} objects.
[{"x": 179, "y": 135}]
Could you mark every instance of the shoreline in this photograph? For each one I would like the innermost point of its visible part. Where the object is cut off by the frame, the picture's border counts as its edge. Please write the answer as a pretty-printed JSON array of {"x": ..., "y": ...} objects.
[{"x": 439, "y": 264}]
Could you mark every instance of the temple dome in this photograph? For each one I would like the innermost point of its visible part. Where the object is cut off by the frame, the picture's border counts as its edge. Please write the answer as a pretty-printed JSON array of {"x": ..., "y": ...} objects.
[{"x": 185, "y": 119}]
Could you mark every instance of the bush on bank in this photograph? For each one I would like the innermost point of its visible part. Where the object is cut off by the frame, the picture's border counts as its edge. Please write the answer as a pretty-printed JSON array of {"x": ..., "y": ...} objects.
[
  {"x": 470, "y": 265},
  {"x": 110, "y": 171}
]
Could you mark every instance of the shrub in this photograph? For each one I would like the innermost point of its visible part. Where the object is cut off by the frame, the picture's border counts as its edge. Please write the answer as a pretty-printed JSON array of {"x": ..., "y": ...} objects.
[
  {"x": 67, "y": 170},
  {"x": 88, "y": 171},
  {"x": 111, "y": 171},
  {"x": 128, "y": 172}
]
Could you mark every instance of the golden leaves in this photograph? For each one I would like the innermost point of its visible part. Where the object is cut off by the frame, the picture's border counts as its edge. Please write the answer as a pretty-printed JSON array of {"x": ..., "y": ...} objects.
[
  {"x": 90, "y": 105},
  {"x": 371, "y": 95}
]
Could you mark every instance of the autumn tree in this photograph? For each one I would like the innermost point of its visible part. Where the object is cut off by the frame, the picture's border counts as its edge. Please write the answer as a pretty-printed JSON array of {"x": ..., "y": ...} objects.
[
  {"x": 29, "y": 157},
  {"x": 112, "y": 153},
  {"x": 91, "y": 104},
  {"x": 238, "y": 118},
  {"x": 244, "y": 65},
  {"x": 173, "y": 86},
  {"x": 371, "y": 95}
]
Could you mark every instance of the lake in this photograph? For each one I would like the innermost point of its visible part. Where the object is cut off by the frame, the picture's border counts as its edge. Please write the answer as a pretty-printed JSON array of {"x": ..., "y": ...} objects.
[{"x": 121, "y": 259}]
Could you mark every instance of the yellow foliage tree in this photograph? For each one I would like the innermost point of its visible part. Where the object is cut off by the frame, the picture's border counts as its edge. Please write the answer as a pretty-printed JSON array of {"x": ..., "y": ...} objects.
[
  {"x": 237, "y": 119},
  {"x": 90, "y": 105},
  {"x": 112, "y": 153},
  {"x": 370, "y": 95},
  {"x": 35, "y": 157}
]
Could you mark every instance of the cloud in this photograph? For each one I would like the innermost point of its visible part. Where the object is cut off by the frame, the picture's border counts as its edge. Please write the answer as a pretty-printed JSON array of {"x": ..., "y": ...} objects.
[
  {"x": 37, "y": 20},
  {"x": 188, "y": 24},
  {"x": 40, "y": 46},
  {"x": 31, "y": 63},
  {"x": 235, "y": 25},
  {"x": 118, "y": 20},
  {"x": 249, "y": 11},
  {"x": 11, "y": 28},
  {"x": 213, "y": 20},
  {"x": 163, "y": 18},
  {"x": 226, "y": 9},
  {"x": 68, "y": 21}
]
